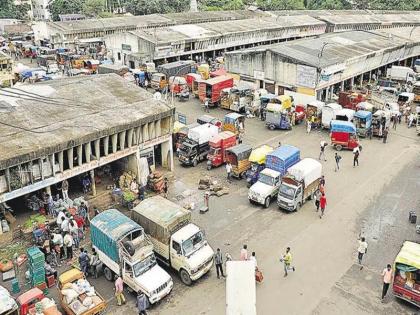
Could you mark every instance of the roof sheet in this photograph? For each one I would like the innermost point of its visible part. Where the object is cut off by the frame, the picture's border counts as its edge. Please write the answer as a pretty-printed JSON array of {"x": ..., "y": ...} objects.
[{"x": 63, "y": 113}]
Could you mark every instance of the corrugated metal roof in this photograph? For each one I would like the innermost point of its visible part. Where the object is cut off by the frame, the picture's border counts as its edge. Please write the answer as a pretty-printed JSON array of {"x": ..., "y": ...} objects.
[{"x": 112, "y": 222}]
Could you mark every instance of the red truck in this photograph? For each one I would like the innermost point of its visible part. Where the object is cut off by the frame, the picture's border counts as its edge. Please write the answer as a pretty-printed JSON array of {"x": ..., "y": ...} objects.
[
  {"x": 218, "y": 145},
  {"x": 210, "y": 89},
  {"x": 350, "y": 100}
]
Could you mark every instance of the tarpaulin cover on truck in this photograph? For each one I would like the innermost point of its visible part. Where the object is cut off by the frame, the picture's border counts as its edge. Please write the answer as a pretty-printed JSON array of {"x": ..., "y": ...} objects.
[
  {"x": 160, "y": 217},
  {"x": 242, "y": 151},
  {"x": 342, "y": 126},
  {"x": 109, "y": 227},
  {"x": 308, "y": 170},
  {"x": 409, "y": 255},
  {"x": 282, "y": 158}
]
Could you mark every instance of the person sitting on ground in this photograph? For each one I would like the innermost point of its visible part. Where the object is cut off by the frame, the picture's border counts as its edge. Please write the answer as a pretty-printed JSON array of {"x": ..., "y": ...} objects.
[{"x": 50, "y": 270}]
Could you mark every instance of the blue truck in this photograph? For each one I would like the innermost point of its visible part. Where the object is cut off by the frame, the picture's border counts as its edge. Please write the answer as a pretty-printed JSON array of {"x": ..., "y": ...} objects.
[
  {"x": 276, "y": 165},
  {"x": 124, "y": 249}
]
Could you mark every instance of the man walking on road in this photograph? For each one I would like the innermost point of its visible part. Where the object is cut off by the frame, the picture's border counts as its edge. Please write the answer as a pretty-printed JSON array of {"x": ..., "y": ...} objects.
[
  {"x": 356, "y": 153},
  {"x": 287, "y": 260},
  {"x": 361, "y": 250},
  {"x": 142, "y": 303},
  {"x": 228, "y": 170},
  {"x": 385, "y": 135},
  {"x": 218, "y": 260},
  {"x": 387, "y": 276},
  {"x": 322, "y": 204},
  {"x": 119, "y": 287},
  {"x": 323, "y": 144},
  {"x": 244, "y": 253},
  {"x": 337, "y": 162},
  {"x": 317, "y": 199}
]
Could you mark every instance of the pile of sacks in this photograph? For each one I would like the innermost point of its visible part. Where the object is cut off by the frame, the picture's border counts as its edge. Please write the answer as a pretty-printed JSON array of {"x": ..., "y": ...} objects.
[
  {"x": 46, "y": 306},
  {"x": 214, "y": 187},
  {"x": 80, "y": 296},
  {"x": 125, "y": 179}
]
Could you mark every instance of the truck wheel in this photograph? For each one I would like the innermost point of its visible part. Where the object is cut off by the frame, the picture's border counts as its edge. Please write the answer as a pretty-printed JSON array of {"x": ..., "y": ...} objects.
[
  {"x": 338, "y": 147},
  {"x": 195, "y": 162},
  {"x": 185, "y": 277},
  {"x": 267, "y": 202},
  {"x": 109, "y": 275}
]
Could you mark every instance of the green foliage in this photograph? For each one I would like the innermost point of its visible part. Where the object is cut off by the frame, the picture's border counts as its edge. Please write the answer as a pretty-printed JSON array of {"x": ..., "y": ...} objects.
[
  {"x": 140, "y": 7},
  {"x": 10, "y": 11},
  {"x": 92, "y": 8},
  {"x": 281, "y": 4},
  {"x": 66, "y": 7},
  {"x": 329, "y": 5}
]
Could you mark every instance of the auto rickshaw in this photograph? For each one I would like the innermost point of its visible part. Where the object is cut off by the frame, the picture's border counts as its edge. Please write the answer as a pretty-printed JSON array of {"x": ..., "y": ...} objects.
[
  {"x": 225, "y": 98},
  {"x": 380, "y": 120},
  {"x": 208, "y": 119},
  {"x": 78, "y": 61},
  {"x": 264, "y": 100},
  {"x": 92, "y": 65},
  {"x": 176, "y": 133},
  {"x": 177, "y": 84},
  {"x": 238, "y": 157},
  {"x": 234, "y": 122},
  {"x": 30, "y": 51},
  {"x": 257, "y": 160},
  {"x": 363, "y": 121},
  {"x": 277, "y": 117},
  {"x": 314, "y": 113},
  {"x": 242, "y": 97},
  {"x": 27, "y": 301},
  {"x": 343, "y": 135}
]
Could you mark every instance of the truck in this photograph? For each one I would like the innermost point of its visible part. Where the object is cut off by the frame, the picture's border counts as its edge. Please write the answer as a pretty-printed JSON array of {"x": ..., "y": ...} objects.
[
  {"x": 218, "y": 145},
  {"x": 240, "y": 288},
  {"x": 177, "y": 242},
  {"x": 160, "y": 79},
  {"x": 349, "y": 99},
  {"x": 299, "y": 184},
  {"x": 211, "y": 89},
  {"x": 402, "y": 74},
  {"x": 329, "y": 112},
  {"x": 123, "y": 248},
  {"x": 195, "y": 147},
  {"x": 277, "y": 163}
]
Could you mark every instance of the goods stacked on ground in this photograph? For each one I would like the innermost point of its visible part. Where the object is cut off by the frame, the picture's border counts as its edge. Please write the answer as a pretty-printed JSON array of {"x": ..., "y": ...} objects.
[{"x": 36, "y": 267}]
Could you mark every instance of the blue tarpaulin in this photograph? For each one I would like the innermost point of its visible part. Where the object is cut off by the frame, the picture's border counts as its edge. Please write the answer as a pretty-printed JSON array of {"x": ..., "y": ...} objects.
[{"x": 342, "y": 126}]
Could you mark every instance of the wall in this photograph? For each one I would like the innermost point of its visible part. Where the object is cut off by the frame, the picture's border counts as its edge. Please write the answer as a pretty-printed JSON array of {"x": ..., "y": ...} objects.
[{"x": 114, "y": 45}]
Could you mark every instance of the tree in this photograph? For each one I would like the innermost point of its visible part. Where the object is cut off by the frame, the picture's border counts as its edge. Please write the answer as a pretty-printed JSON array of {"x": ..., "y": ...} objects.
[
  {"x": 140, "y": 7},
  {"x": 65, "y": 7},
  {"x": 93, "y": 8},
  {"x": 281, "y": 4},
  {"x": 8, "y": 10}
]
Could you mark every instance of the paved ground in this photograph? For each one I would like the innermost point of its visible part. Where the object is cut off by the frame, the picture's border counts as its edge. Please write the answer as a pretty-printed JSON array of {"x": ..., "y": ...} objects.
[
  {"x": 373, "y": 198},
  {"x": 324, "y": 250}
]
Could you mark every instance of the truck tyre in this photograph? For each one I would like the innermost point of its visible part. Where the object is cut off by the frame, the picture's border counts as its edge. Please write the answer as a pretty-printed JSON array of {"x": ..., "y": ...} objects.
[
  {"x": 109, "y": 275},
  {"x": 195, "y": 162},
  {"x": 338, "y": 147},
  {"x": 267, "y": 202},
  {"x": 185, "y": 277}
]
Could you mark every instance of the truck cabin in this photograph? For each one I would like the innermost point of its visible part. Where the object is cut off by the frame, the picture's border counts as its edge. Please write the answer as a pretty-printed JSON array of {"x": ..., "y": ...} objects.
[
  {"x": 290, "y": 188},
  {"x": 269, "y": 177},
  {"x": 188, "y": 147},
  {"x": 188, "y": 240},
  {"x": 405, "y": 98}
]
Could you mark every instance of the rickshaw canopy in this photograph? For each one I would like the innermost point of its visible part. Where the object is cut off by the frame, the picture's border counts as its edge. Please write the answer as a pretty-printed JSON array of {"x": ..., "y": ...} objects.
[
  {"x": 274, "y": 107},
  {"x": 29, "y": 296},
  {"x": 409, "y": 254},
  {"x": 363, "y": 114},
  {"x": 267, "y": 97},
  {"x": 242, "y": 151},
  {"x": 342, "y": 126},
  {"x": 70, "y": 276},
  {"x": 232, "y": 117},
  {"x": 258, "y": 155}
]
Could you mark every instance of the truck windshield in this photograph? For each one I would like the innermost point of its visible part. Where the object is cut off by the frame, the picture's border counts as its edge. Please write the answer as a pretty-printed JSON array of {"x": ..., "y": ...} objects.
[
  {"x": 144, "y": 265},
  {"x": 214, "y": 151},
  {"x": 184, "y": 148},
  {"x": 192, "y": 244},
  {"x": 268, "y": 180},
  {"x": 287, "y": 191}
]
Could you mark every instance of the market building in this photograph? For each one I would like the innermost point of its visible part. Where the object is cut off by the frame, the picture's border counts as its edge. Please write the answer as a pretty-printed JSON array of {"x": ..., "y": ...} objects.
[
  {"x": 207, "y": 39},
  {"x": 325, "y": 64},
  {"x": 6, "y": 70},
  {"x": 92, "y": 31},
  {"x": 60, "y": 129}
]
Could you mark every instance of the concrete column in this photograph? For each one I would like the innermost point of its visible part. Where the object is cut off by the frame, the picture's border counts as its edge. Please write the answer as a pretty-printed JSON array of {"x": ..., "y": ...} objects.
[
  {"x": 145, "y": 133},
  {"x": 97, "y": 149},
  {"x": 167, "y": 154},
  {"x": 130, "y": 137},
  {"x": 80, "y": 155},
  {"x": 331, "y": 91},
  {"x": 202, "y": 55},
  {"x": 276, "y": 89},
  {"x": 70, "y": 157},
  {"x": 263, "y": 84},
  {"x": 114, "y": 140},
  {"x": 92, "y": 179},
  {"x": 351, "y": 83},
  {"x": 41, "y": 168},
  {"x": 138, "y": 136},
  {"x": 370, "y": 76},
  {"x": 361, "y": 79},
  {"x": 318, "y": 95},
  {"x": 342, "y": 86},
  {"x": 214, "y": 54},
  {"x": 158, "y": 129},
  {"x": 48, "y": 190},
  {"x": 106, "y": 145},
  {"x": 122, "y": 140},
  {"x": 51, "y": 158},
  {"x": 151, "y": 128},
  {"x": 88, "y": 152},
  {"x": 8, "y": 179},
  {"x": 412, "y": 62},
  {"x": 405, "y": 62},
  {"x": 61, "y": 160}
]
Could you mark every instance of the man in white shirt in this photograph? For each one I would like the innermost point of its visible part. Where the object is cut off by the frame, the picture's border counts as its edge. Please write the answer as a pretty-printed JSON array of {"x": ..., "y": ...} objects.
[
  {"x": 228, "y": 170},
  {"x": 60, "y": 218},
  {"x": 68, "y": 242},
  {"x": 65, "y": 225},
  {"x": 254, "y": 259},
  {"x": 361, "y": 250}
]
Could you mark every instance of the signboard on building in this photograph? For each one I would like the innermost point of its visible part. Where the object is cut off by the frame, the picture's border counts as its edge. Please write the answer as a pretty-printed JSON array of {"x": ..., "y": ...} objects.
[
  {"x": 305, "y": 76},
  {"x": 259, "y": 75},
  {"x": 126, "y": 47}
]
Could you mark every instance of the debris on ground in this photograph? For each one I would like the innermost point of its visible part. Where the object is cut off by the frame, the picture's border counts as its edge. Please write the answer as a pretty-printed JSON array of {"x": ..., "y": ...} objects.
[{"x": 7, "y": 252}]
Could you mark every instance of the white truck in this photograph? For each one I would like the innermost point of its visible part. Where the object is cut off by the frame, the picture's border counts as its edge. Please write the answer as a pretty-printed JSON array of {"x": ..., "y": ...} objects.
[
  {"x": 399, "y": 73},
  {"x": 240, "y": 288},
  {"x": 177, "y": 242},
  {"x": 299, "y": 184},
  {"x": 329, "y": 112},
  {"x": 123, "y": 248}
]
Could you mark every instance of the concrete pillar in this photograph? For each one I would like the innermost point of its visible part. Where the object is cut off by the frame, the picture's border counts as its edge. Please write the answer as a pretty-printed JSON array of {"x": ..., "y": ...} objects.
[
  {"x": 122, "y": 140},
  {"x": 214, "y": 54},
  {"x": 48, "y": 190},
  {"x": 61, "y": 161},
  {"x": 412, "y": 62},
  {"x": 97, "y": 149},
  {"x": 114, "y": 142},
  {"x": 319, "y": 95},
  {"x": 70, "y": 157},
  {"x": 130, "y": 137},
  {"x": 158, "y": 129},
  {"x": 167, "y": 154},
  {"x": 145, "y": 133},
  {"x": 151, "y": 127},
  {"x": 80, "y": 155},
  {"x": 92, "y": 179},
  {"x": 263, "y": 84},
  {"x": 41, "y": 168},
  {"x": 331, "y": 91},
  {"x": 361, "y": 79},
  {"x": 276, "y": 89},
  {"x": 106, "y": 145},
  {"x": 88, "y": 152},
  {"x": 51, "y": 159},
  {"x": 370, "y": 76},
  {"x": 202, "y": 56},
  {"x": 405, "y": 62},
  {"x": 351, "y": 83},
  {"x": 138, "y": 136},
  {"x": 8, "y": 179},
  {"x": 342, "y": 86}
]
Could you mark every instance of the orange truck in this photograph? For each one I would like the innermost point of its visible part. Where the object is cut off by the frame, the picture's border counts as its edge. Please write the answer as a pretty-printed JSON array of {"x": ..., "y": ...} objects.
[
  {"x": 218, "y": 146},
  {"x": 211, "y": 89}
]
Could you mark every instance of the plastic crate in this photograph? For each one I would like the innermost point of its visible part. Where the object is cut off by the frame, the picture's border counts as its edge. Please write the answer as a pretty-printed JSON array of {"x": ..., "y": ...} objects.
[
  {"x": 37, "y": 272},
  {"x": 35, "y": 255},
  {"x": 37, "y": 279}
]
